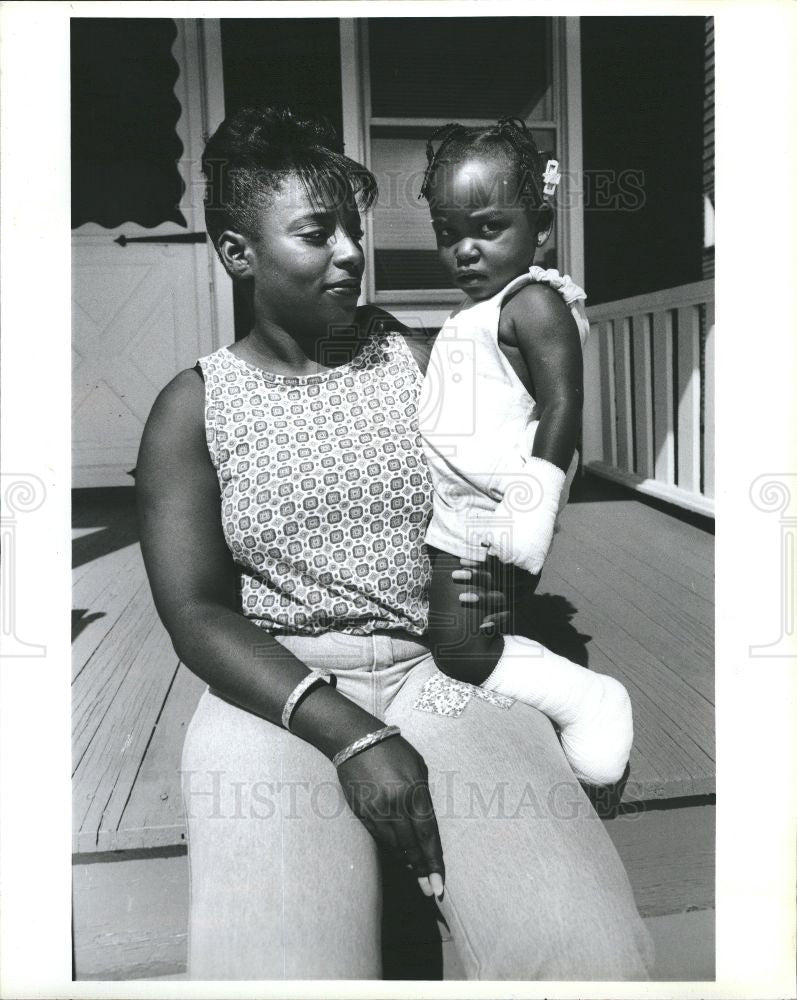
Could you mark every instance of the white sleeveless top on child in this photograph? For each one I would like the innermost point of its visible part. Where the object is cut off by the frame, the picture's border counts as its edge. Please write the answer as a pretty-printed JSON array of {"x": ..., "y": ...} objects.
[{"x": 477, "y": 419}]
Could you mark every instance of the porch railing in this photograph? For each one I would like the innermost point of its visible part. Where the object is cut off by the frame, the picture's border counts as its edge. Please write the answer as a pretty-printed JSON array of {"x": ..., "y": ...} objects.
[{"x": 649, "y": 394}]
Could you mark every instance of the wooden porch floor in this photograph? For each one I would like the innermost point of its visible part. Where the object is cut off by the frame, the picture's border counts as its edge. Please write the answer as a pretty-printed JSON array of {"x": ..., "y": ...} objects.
[{"x": 628, "y": 590}]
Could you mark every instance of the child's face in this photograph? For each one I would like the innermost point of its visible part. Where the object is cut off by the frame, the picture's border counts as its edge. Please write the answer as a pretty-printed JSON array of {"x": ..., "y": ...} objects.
[{"x": 485, "y": 235}]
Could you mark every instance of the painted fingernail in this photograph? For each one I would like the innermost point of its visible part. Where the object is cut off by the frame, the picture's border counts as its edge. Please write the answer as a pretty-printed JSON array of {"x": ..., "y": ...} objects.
[
  {"x": 462, "y": 574},
  {"x": 469, "y": 598},
  {"x": 487, "y": 627}
]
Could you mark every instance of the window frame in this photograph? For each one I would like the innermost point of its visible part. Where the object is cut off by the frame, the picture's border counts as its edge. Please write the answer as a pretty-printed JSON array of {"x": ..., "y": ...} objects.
[{"x": 431, "y": 306}]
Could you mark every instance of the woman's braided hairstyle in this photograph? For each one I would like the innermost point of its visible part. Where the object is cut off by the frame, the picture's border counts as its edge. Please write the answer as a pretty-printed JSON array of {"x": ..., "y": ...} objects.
[
  {"x": 509, "y": 137},
  {"x": 256, "y": 149}
]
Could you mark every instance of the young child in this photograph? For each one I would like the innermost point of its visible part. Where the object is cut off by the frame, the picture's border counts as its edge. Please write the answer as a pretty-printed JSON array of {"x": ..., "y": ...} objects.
[{"x": 499, "y": 417}]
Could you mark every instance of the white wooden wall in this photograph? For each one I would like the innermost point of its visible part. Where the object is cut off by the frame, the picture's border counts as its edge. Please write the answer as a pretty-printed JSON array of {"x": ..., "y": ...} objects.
[{"x": 143, "y": 311}]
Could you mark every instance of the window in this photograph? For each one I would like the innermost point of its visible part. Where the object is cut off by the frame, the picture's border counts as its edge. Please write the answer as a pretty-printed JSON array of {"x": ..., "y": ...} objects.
[{"x": 416, "y": 74}]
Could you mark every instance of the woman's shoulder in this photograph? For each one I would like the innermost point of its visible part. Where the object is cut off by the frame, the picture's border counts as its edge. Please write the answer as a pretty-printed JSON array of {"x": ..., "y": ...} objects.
[
  {"x": 186, "y": 386},
  {"x": 180, "y": 405},
  {"x": 418, "y": 341},
  {"x": 174, "y": 443}
]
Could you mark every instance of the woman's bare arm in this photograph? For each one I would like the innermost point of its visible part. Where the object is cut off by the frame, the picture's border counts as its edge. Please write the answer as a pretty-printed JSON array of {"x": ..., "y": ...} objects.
[{"x": 193, "y": 579}]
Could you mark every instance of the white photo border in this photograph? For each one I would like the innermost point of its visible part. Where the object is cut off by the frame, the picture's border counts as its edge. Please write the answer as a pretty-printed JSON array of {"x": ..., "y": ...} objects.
[{"x": 756, "y": 55}]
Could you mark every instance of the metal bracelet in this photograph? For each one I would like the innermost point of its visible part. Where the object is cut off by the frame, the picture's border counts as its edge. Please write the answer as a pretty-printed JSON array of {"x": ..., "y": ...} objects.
[
  {"x": 313, "y": 678},
  {"x": 363, "y": 743}
]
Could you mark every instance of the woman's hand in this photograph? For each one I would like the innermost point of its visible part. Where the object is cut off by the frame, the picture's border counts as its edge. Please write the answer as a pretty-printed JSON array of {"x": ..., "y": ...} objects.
[
  {"x": 388, "y": 791},
  {"x": 478, "y": 590}
]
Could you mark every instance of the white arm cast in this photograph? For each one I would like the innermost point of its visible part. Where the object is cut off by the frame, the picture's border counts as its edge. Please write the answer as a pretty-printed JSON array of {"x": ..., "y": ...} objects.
[{"x": 521, "y": 529}]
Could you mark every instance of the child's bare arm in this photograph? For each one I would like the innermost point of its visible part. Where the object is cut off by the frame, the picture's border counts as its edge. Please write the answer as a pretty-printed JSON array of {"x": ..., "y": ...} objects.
[
  {"x": 547, "y": 337},
  {"x": 540, "y": 327}
]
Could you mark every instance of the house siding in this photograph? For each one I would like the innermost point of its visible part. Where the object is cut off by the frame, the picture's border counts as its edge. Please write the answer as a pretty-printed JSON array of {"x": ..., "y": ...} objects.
[
  {"x": 708, "y": 134},
  {"x": 643, "y": 91}
]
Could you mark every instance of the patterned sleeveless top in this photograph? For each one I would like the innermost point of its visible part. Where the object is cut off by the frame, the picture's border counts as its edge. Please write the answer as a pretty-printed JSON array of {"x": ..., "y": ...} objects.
[{"x": 325, "y": 494}]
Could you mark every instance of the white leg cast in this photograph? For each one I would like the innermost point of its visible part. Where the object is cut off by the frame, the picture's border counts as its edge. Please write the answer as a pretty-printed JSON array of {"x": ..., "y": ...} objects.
[{"x": 593, "y": 711}]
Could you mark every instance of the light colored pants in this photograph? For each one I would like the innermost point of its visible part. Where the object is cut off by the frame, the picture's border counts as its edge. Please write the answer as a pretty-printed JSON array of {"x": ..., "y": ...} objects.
[{"x": 285, "y": 880}]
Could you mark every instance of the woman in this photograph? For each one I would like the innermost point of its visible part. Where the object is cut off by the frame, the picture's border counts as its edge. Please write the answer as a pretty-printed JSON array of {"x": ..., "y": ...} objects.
[{"x": 283, "y": 502}]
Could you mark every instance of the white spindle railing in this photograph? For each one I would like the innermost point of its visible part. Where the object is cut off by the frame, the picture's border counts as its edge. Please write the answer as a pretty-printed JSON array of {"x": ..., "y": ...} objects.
[{"x": 642, "y": 394}]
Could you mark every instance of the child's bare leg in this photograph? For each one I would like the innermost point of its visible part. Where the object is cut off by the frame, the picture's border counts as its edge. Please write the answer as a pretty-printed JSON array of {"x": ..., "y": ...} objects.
[{"x": 461, "y": 648}]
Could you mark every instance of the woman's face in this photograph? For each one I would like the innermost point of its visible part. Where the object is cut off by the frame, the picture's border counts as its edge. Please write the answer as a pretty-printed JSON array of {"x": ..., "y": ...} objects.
[{"x": 306, "y": 262}]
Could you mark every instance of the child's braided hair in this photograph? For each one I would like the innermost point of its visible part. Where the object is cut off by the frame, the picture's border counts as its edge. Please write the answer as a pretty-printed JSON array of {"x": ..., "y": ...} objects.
[{"x": 510, "y": 137}]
